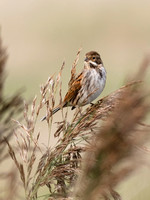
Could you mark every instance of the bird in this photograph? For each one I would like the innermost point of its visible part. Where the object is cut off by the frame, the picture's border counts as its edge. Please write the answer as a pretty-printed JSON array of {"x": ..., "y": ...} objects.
[{"x": 86, "y": 86}]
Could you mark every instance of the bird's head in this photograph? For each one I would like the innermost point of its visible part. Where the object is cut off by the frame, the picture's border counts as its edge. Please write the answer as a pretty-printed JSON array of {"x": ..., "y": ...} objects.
[{"x": 93, "y": 59}]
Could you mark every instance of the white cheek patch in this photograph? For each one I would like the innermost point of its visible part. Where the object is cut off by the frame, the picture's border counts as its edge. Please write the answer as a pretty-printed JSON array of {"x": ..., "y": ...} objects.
[{"x": 93, "y": 63}]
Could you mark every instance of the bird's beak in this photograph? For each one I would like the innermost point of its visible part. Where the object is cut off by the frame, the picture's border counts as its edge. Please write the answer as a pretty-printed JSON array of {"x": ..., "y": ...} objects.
[
  {"x": 93, "y": 63},
  {"x": 86, "y": 59}
]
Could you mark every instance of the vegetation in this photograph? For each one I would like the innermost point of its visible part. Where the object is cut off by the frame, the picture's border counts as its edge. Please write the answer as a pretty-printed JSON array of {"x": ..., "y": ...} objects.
[{"x": 94, "y": 151}]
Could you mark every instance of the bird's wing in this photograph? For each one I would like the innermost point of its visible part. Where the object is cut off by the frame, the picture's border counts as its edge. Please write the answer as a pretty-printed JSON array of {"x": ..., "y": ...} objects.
[{"x": 73, "y": 90}]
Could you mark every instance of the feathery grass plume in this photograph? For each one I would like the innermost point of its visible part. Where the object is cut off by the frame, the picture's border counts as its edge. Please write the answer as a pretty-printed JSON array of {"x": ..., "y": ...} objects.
[
  {"x": 27, "y": 139},
  {"x": 53, "y": 161},
  {"x": 10, "y": 107},
  {"x": 73, "y": 70}
]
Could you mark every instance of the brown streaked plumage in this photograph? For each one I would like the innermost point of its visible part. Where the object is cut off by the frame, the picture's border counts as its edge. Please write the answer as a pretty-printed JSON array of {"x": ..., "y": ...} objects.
[{"x": 88, "y": 85}]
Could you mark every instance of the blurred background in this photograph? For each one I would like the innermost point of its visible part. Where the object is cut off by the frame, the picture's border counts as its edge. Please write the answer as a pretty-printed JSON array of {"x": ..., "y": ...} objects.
[{"x": 40, "y": 35}]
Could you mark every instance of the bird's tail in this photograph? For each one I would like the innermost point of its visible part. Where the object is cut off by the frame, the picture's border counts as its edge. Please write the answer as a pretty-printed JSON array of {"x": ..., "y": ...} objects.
[{"x": 56, "y": 109}]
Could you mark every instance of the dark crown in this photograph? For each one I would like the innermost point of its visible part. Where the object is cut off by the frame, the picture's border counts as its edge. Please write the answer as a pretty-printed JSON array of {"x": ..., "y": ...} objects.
[{"x": 93, "y": 56}]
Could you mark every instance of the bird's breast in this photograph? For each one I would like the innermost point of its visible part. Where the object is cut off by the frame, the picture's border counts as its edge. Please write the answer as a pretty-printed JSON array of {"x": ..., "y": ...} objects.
[{"x": 93, "y": 84}]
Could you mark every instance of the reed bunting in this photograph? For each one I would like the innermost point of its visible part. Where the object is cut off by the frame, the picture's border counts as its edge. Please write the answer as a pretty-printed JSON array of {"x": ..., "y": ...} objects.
[{"x": 87, "y": 86}]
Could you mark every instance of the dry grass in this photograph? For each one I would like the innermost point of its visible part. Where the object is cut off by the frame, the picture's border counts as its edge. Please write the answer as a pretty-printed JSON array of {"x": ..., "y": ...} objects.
[
  {"x": 93, "y": 153},
  {"x": 10, "y": 107}
]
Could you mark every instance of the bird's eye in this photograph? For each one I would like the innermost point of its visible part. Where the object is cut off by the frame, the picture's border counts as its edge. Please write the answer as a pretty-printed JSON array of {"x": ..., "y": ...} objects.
[{"x": 93, "y": 58}]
